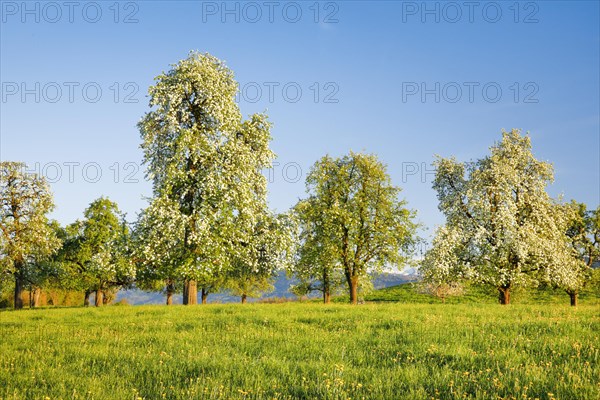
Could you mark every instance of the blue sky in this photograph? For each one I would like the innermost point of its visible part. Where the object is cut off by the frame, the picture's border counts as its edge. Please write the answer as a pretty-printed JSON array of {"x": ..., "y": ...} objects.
[{"x": 369, "y": 74}]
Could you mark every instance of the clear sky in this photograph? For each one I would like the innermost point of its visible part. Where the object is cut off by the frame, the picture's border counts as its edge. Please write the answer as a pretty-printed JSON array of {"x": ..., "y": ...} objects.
[{"x": 404, "y": 80}]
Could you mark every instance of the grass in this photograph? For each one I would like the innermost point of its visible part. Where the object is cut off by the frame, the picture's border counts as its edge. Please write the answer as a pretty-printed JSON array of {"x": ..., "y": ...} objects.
[
  {"x": 302, "y": 351},
  {"x": 409, "y": 293}
]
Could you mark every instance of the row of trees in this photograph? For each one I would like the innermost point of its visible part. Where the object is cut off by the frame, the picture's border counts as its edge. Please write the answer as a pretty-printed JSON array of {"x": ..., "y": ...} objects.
[
  {"x": 207, "y": 226},
  {"x": 91, "y": 255}
]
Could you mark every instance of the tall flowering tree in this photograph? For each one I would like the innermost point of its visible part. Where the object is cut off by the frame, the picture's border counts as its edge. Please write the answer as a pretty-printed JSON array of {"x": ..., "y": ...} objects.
[
  {"x": 205, "y": 163},
  {"x": 502, "y": 227},
  {"x": 26, "y": 236}
]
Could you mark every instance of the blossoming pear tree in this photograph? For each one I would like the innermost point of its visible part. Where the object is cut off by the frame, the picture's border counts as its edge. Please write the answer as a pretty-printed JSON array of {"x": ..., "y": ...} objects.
[
  {"x": 502, "y": 228},
  {"x": 205, "y": 163}
]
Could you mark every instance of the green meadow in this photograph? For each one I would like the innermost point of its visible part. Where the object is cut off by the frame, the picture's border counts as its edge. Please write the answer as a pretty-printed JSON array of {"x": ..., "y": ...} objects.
[{"x": 303, "y": 351}]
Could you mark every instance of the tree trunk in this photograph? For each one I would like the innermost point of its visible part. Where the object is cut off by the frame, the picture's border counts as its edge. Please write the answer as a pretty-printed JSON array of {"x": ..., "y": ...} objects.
[
  {"x": 170, "y": 290},
  {"x": 86, "y": 298},
  {"x": 99, "y": 298},
  {"x": 204, "y": 295},
  {"x": 191, "y": 293},
  {"x": 244, "y": 299},
  {"x": 573, "y": 295},
  {"x": 326, "y": 287},
  {"x": 105, "y": 298},
  {"x": 504, "y": 296},
  {"x": 185, "y": 293},
  {"x": 36, "y": 297},
  {"x": 353, "y": 289},
  {"x": 18, "y": 291}
]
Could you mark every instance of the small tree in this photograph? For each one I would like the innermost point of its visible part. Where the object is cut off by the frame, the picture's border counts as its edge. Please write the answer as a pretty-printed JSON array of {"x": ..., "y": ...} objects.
[
  {"x": 45, "y": 272},
  {"x": 103, "y": 249},
  {"x": 315, "y": 264},
  {"x": 331, "y": 282},
  {"x": 270, "y": 249},
  {"x": 159, "y": 251},
  {"x": 73, "y": 262},
  {"x": 26, "y": 236},
  {"x": 441, "y": 269},
  {"x": 442, "y": 290},
  {"x": 247, "y": 283},
  {"x": 352, "y": 221}
]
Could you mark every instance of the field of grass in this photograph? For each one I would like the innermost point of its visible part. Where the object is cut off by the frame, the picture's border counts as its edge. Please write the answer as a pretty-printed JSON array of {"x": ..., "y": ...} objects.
[
  {"x": 302, "y": 351},
  {"x": 409, "y": 293}
]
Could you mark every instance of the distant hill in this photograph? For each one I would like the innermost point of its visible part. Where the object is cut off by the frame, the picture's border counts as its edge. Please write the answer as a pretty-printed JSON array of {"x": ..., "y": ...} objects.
[{"x": 282, "y": 285}]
